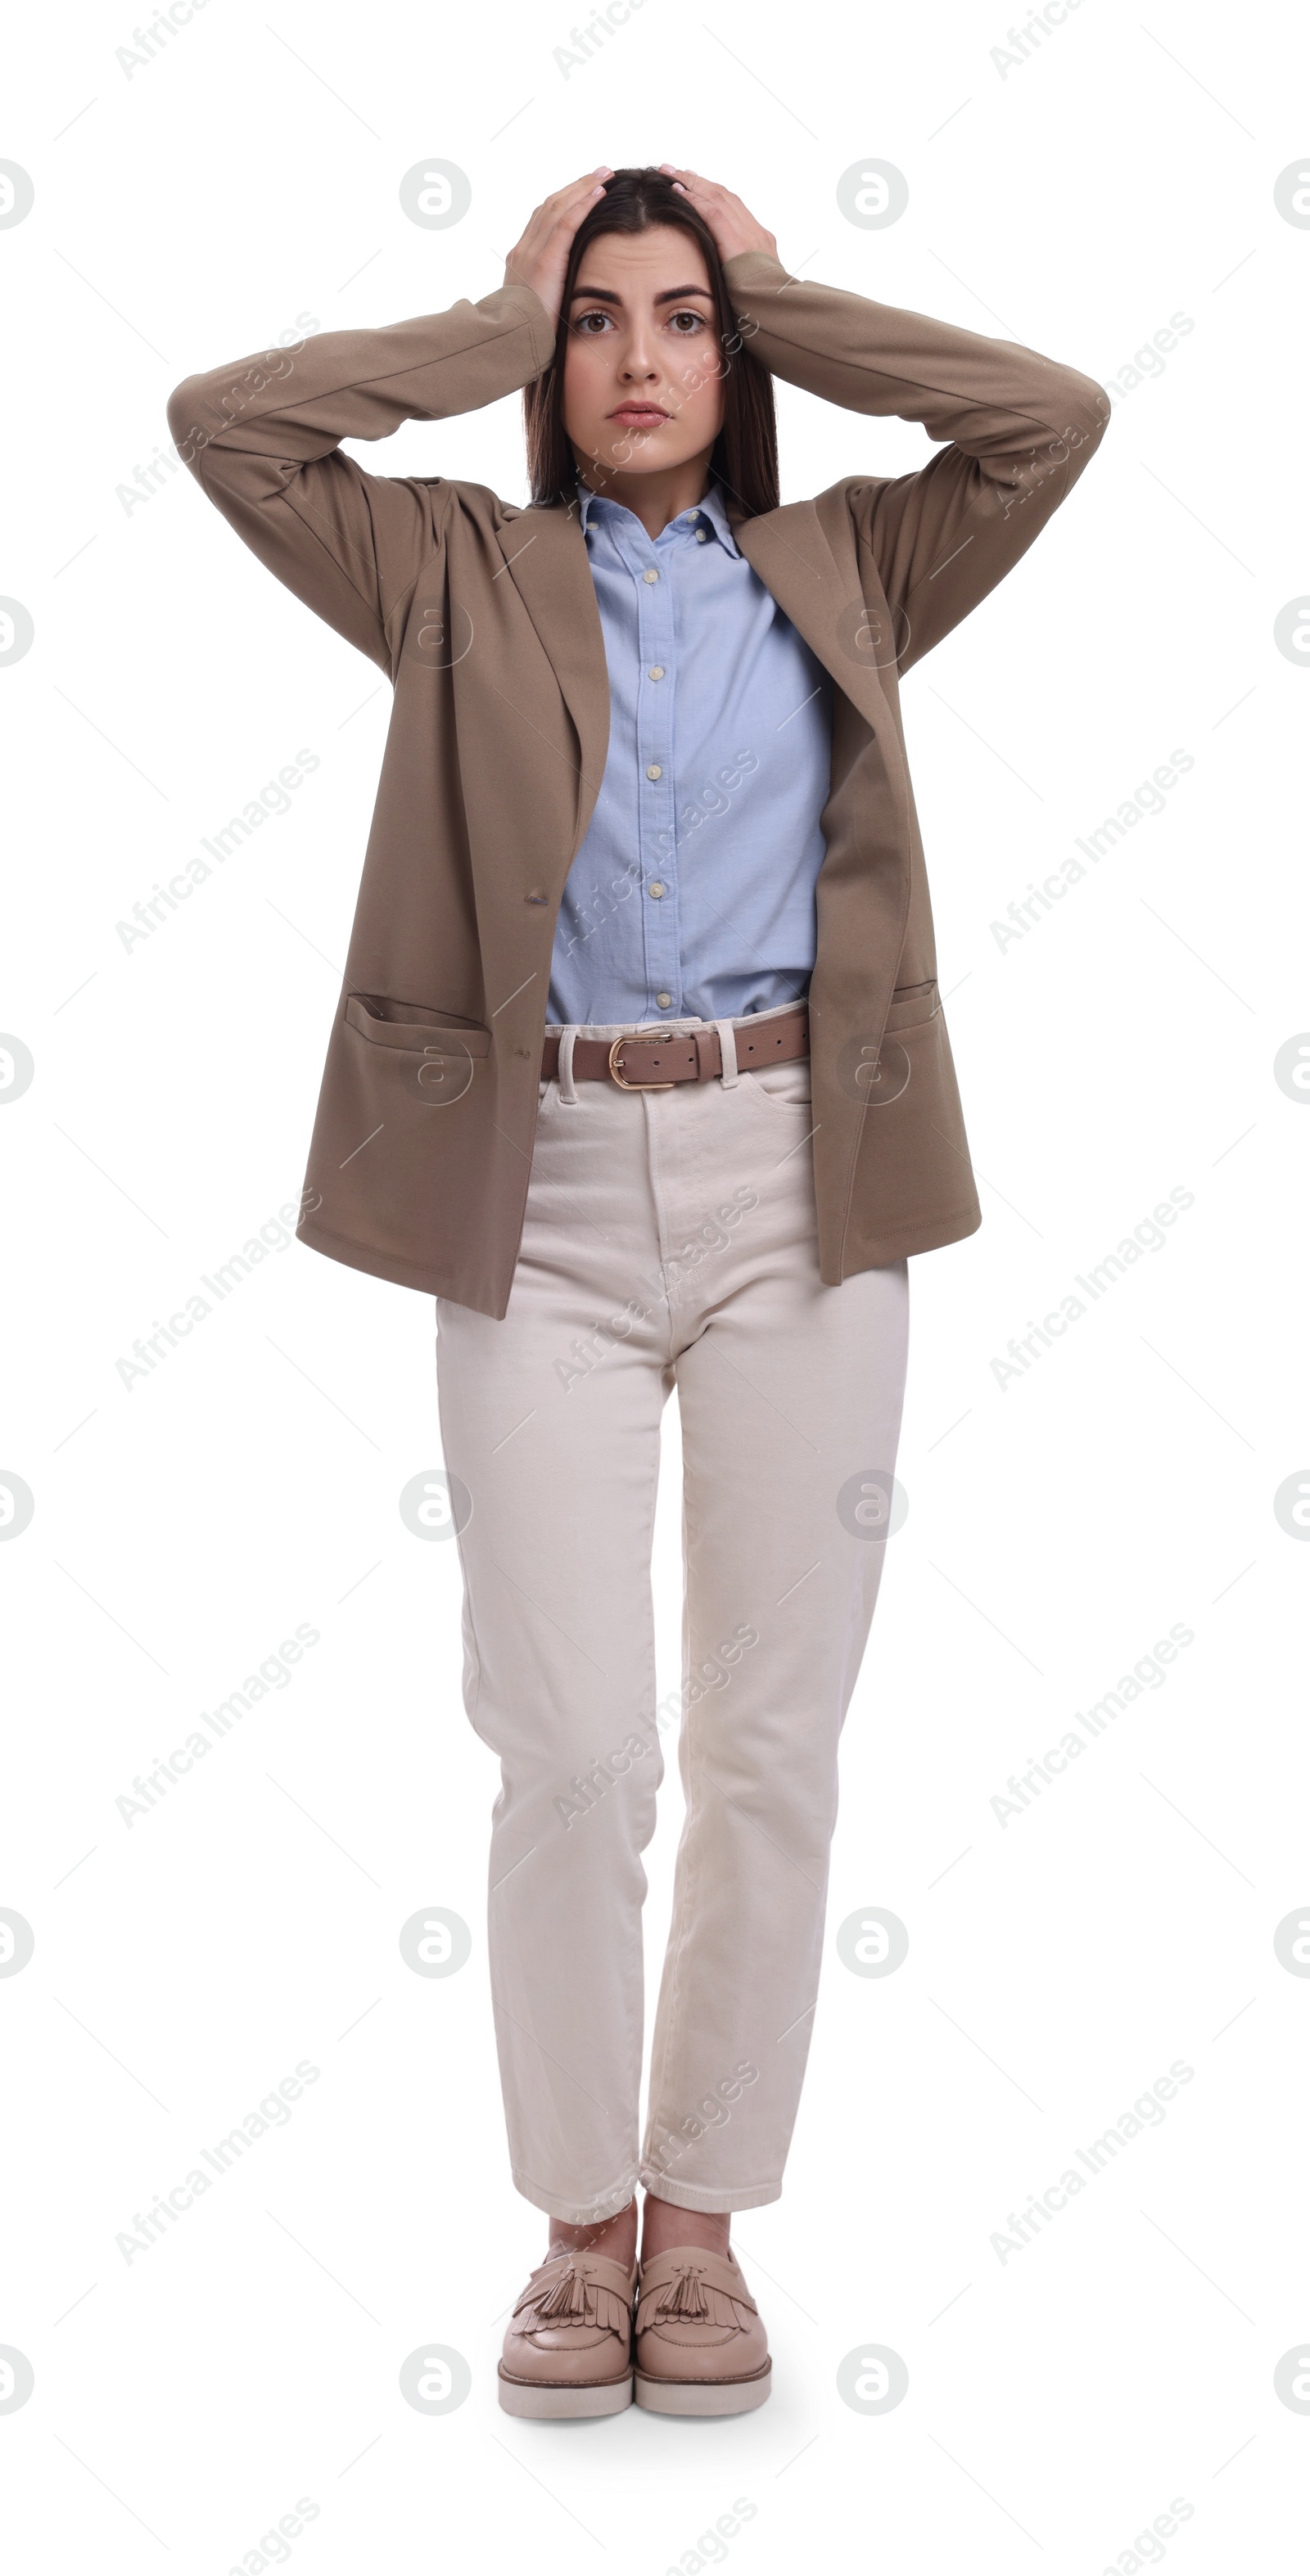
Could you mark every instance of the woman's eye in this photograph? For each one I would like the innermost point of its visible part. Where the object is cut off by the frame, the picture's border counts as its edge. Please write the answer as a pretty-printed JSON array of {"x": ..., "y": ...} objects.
[{"x": 686, "y": 325}]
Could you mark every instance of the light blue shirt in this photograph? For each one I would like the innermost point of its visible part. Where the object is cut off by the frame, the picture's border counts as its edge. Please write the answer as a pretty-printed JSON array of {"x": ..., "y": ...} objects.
[{"x": 693, "y": 892}]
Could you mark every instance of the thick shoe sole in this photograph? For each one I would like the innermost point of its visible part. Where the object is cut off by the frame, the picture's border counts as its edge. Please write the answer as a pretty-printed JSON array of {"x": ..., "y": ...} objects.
[
  {"x": 542, "y": 2398},
  {"x": 703, "y": 2396}
]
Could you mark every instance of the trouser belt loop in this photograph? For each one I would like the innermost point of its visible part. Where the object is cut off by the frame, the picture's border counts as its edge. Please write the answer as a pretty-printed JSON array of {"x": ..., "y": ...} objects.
[{"x": 568, "y": 1040}]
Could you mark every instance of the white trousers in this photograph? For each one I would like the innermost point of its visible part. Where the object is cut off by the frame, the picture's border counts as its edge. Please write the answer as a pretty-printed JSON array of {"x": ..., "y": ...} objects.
[{"x": 669, "y": 1241}]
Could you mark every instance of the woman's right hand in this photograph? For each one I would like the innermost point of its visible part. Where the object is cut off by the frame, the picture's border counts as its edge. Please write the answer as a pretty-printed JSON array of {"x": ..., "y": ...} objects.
[{"x": 541, "y": 258}]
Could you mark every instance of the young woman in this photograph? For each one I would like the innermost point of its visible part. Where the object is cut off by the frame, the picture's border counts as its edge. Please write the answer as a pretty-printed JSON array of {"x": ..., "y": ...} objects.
[{"x": 640, "y": 1068}]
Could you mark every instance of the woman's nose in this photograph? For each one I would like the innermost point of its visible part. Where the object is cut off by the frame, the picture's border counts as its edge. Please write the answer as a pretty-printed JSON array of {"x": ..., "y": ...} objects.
[{"x": 638, "y": 358}]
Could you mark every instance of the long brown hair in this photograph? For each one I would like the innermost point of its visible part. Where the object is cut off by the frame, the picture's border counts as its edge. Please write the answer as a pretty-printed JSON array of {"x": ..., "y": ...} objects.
[{"x": 745, "y": 452}]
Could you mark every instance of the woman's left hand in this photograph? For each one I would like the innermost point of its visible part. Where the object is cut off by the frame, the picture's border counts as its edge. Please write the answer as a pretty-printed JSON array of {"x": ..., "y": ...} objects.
[{"x": 733, "y": 225}]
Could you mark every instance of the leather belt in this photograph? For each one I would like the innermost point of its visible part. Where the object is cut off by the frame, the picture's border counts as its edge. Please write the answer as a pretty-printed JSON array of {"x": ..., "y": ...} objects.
[{"x": 657, "y": 1062}]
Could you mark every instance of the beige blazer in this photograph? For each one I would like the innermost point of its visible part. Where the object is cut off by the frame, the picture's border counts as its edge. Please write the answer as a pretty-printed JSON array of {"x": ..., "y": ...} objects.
[{"x": 484, "y": 617}]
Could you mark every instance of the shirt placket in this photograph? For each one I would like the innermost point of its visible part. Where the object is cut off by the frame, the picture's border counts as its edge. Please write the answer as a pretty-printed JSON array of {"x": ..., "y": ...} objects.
[{"x": 656, "y": 800}]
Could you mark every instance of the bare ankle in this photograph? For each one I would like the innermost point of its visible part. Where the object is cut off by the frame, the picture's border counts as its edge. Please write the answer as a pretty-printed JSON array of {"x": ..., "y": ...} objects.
[
  {"x": 614, "y": 2240},
  {"x": 664, "y": 2225}
]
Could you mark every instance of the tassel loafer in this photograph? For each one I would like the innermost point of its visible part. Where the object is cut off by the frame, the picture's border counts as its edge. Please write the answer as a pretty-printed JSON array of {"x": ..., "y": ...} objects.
[
  {"x": 568, "y": 2345},
  {"x": 701, "y": 2347}
]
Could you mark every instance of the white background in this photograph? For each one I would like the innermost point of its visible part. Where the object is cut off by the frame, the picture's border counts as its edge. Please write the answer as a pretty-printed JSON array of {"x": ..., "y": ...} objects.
[{"x": 1060, "y": 1962}]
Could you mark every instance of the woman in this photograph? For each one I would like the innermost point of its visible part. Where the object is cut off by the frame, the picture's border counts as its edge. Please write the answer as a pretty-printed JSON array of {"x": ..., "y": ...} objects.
[{"x": 644, "y": 861}]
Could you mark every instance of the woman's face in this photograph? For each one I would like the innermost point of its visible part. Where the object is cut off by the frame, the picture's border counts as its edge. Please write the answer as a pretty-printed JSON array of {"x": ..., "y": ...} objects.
[{"x": 642, "y": 382}]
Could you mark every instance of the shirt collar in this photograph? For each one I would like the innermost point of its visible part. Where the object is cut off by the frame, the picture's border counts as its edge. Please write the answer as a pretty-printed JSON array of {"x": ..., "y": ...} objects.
[{"x": 711, "y": 513}]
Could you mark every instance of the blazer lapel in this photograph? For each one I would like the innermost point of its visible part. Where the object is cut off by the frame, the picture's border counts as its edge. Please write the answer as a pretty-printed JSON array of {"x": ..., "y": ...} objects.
[{"x": 546, "y": 558}]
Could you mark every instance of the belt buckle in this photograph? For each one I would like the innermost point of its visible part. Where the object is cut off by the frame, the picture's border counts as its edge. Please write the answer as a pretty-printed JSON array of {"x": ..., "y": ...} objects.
[{"x": 622, "y": 1079}]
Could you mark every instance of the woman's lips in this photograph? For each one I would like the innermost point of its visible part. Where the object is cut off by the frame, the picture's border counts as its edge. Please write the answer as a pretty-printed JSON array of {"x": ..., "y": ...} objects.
[{"x": 640, "y": 415}]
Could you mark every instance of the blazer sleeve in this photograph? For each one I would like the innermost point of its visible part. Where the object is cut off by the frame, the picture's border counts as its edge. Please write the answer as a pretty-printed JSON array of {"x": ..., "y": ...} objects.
[
  {"x": 262, "y": 438},
  {"x": 1020, "y": 430}
]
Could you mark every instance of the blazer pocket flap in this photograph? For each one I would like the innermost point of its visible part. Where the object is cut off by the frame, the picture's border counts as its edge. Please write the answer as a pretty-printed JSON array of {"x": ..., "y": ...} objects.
[
  {"x": 415, "y": 1028},
  {"x": 911, "y": 1003}
]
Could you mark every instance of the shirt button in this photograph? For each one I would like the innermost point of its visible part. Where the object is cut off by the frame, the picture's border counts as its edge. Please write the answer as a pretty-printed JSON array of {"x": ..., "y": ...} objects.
[
  {"x": 664, "y": 1000},
  {"x": 654, "y": 770},
  {"x": 657, "y": 886},
  {"x": 702, "y": 537},
  {"x": 656, "y": 671},
  {"x": 650, "y": 575}
]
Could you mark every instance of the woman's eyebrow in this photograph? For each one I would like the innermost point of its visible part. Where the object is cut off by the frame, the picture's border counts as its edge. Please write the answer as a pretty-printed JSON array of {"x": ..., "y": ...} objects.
[{"x": 668, "y": 295}]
